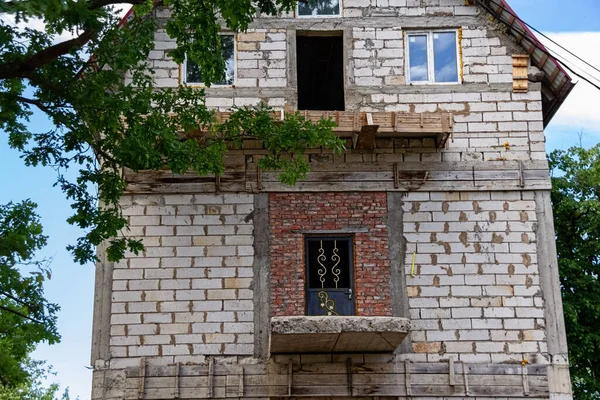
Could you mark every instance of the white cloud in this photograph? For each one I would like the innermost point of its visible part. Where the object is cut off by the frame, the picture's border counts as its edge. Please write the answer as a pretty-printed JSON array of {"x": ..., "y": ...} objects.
[{"x": 581, "y": 110}]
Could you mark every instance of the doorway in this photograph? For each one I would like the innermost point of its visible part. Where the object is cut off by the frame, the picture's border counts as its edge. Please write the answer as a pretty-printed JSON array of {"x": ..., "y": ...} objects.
[
  {"x": 329, "y": 276},
  {"x": 320, "y": 69}
]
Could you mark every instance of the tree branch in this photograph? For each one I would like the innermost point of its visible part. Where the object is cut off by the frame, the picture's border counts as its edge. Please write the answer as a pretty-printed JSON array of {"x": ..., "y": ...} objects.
[
  {"x": 95, "y": 4},
  {"x": 21, "y": 315},
  {"x": 36, "y": 103},
  {"x": 23, "y": 68}
]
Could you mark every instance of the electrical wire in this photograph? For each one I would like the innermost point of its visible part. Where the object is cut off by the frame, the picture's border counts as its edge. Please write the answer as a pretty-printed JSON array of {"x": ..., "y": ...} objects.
[
  {"x": 544, "y": 36},
  {"x": 525, "y": 33}
]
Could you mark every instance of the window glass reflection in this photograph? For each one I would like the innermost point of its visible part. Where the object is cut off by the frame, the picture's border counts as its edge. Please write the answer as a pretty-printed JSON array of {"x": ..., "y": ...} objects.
[
  {"x": 417, "y": 48},
  {"x": 444, "y": 55},
  {"x": 318, "y": 7}
]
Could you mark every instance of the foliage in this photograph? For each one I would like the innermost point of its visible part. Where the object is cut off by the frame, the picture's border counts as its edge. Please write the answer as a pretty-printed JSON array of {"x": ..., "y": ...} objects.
[
  {"x": 576, "y": 204},
  {"x": 33, "y": 387},
  {"x": 104, "y": 122},
  {"x": 26, "y": 319}
]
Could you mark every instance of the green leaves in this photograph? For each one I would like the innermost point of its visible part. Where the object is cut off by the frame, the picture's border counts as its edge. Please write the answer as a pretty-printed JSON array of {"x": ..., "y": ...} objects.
[
  {"x": 26, "y": 318},
  {"x": 576, "y": 206},
  {"x": 286, "y": 140}
]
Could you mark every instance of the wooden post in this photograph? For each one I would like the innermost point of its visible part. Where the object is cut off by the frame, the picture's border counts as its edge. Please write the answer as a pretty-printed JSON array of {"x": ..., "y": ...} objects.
[
  {"x": 241, "y": 384},
  {"x": 176, "y": 381},
  {"x": 142, "y": 382},
  {"x": 349, "y": 373},
  {"x": 451, "y": 378},
  {"x": 525, "y": 379},
  {"x": 258, "y": 178},
  {"x": 521, "y": 178},
  {"x": 466, "y": 378},
  {"x": 407, "y": 377},
  {"x": 290, "y": 376},
  {"x": 211, "y": 373}
]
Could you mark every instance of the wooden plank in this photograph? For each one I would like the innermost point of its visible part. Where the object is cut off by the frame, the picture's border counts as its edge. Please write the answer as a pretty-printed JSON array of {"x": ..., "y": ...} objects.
[
  {"x": 451, "y": 372},
  {"x": 211, "y": 371},
  {"x": 407, "y": 377},
  {"x": 525, "y": 380},
  {"x": 290, "y": 377},
  {"x": 253, "y": 370},
  {"x": 366, "y": 137},
  {"x": 358, "y": 379},
  {"x": 142, "y": 379},
  {"x": 465, "y": 371},
  {"x": 176, "y": 381},
  {"x": 349, "y": 375},
  {"x": 241, "y": 383}
]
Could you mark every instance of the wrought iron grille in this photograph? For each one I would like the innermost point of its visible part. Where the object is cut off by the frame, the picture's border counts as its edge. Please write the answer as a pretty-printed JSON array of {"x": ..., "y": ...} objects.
[{"x": 328, "y": 262}]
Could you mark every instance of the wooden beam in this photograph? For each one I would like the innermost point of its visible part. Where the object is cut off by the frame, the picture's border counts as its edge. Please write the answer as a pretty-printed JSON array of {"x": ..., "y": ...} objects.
[
  {"x": 290, "y": 377},
  {"x": 407, "y": 377},
  {"x": 349, "y": 375},
  {"x": 211, "y": 373},
  {"x": 525, "y": 379},
  {"x": 366, "y": 137},
  {"x": 451, "y": 378},
  {"x": 142, "y": 378},
  {"x": 176, "y": 381}
]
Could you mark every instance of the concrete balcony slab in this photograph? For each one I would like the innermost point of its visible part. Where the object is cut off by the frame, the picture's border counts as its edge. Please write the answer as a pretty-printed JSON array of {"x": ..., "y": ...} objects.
[{"x": 333, "y": 334}]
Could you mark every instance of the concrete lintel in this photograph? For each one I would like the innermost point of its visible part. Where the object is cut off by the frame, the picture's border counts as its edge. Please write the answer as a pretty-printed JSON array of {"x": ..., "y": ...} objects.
[
  {"x": 388, "y": 21},
  {"x": 333, "y": 334}
]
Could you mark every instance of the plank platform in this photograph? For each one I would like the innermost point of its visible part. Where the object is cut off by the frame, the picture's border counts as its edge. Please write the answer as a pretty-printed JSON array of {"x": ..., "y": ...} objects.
[
  {"x": 273, "y": 380},
  {"x": 436, "y": 125},
  {"x": 243, "y": 175}
]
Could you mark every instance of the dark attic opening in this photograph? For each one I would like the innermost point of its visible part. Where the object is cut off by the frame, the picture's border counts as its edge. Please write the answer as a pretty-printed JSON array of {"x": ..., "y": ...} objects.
[{"x": 320, "y": 71}]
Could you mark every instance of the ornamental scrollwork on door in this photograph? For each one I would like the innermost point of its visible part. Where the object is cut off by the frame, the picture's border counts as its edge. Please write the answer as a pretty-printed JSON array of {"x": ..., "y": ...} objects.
[
  {"x": 335, "y": 271},
  {"x": 326, "y": 303}
]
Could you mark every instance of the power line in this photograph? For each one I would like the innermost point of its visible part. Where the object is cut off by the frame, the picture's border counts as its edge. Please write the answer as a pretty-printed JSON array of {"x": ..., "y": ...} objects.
[
  {"x": 523, "y": 32},
  {"x": 543, "y": 35}
]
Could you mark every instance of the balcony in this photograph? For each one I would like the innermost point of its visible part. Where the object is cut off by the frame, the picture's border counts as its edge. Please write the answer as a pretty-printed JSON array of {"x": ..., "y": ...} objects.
[{"x": 333, "y": 334}]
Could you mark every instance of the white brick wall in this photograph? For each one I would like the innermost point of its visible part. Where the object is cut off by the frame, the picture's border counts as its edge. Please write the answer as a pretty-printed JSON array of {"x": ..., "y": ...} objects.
[
  {"x": 189, "y": 294},
  {"x": 476, "y": 282}
]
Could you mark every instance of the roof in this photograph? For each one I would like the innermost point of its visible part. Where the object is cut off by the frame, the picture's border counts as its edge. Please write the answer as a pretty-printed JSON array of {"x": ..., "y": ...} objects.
[{"x": 556, "y": 84}]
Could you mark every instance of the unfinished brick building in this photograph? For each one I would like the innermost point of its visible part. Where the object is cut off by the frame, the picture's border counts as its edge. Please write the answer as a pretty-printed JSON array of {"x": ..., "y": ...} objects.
[{"x": 419, "y": 264}]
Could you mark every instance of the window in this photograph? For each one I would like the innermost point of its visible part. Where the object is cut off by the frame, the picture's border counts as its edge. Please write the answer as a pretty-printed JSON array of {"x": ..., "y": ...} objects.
[
  {"x": 191, "y": 72},
  {"x": 432, "y": 57},
  {"x": 329, "y": 270},
  {"x": 320, "y": 69},
  {"x": 319, "y": 8}
]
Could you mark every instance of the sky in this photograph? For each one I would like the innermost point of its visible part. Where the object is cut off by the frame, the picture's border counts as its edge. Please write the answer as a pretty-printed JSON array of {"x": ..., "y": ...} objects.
[{"x": 574, "y": 24}]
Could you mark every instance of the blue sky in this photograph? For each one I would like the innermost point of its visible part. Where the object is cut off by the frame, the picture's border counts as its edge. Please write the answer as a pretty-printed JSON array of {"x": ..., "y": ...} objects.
[{"x": 575, "y": 24}]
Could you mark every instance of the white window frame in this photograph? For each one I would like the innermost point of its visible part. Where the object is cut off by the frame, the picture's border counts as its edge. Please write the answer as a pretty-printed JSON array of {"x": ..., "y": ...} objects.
[
  {"x": 201, "y": 84},
  {"x": 430, "y": 57},
  {"x": 320, "y": 16}
]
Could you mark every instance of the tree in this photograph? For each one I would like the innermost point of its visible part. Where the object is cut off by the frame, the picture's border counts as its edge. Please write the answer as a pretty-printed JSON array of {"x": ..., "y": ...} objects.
[
  {"x": 26, "y": 318},
  {"x": 576, "y": 206},
  {"x": 33, "y": 388},
  {"x": 103, "y": 123}
]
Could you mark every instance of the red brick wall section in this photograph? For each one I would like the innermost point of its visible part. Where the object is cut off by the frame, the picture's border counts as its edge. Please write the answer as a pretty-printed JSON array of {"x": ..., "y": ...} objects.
[{"x": 292, "y": 214}]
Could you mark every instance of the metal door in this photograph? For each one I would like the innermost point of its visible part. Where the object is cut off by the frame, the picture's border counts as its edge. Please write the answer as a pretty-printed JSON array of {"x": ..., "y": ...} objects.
[{"x": 329, "y": 276}]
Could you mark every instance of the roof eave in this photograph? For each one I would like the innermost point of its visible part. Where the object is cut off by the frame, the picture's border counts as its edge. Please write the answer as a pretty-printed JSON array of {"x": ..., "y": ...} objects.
[{"x": 556, "y": 82}]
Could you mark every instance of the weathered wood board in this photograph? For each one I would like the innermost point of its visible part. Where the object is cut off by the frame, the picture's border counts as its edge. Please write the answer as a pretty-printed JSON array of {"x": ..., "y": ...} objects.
[{"x": 331, "y": 380}]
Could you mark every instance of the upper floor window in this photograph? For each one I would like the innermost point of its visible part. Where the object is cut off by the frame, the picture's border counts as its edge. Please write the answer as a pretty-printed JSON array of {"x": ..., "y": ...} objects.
[
  {"x": 432, "y": 57},
  {"x": 319, "y": 8},
  {"x": 193, "y": 76}
]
